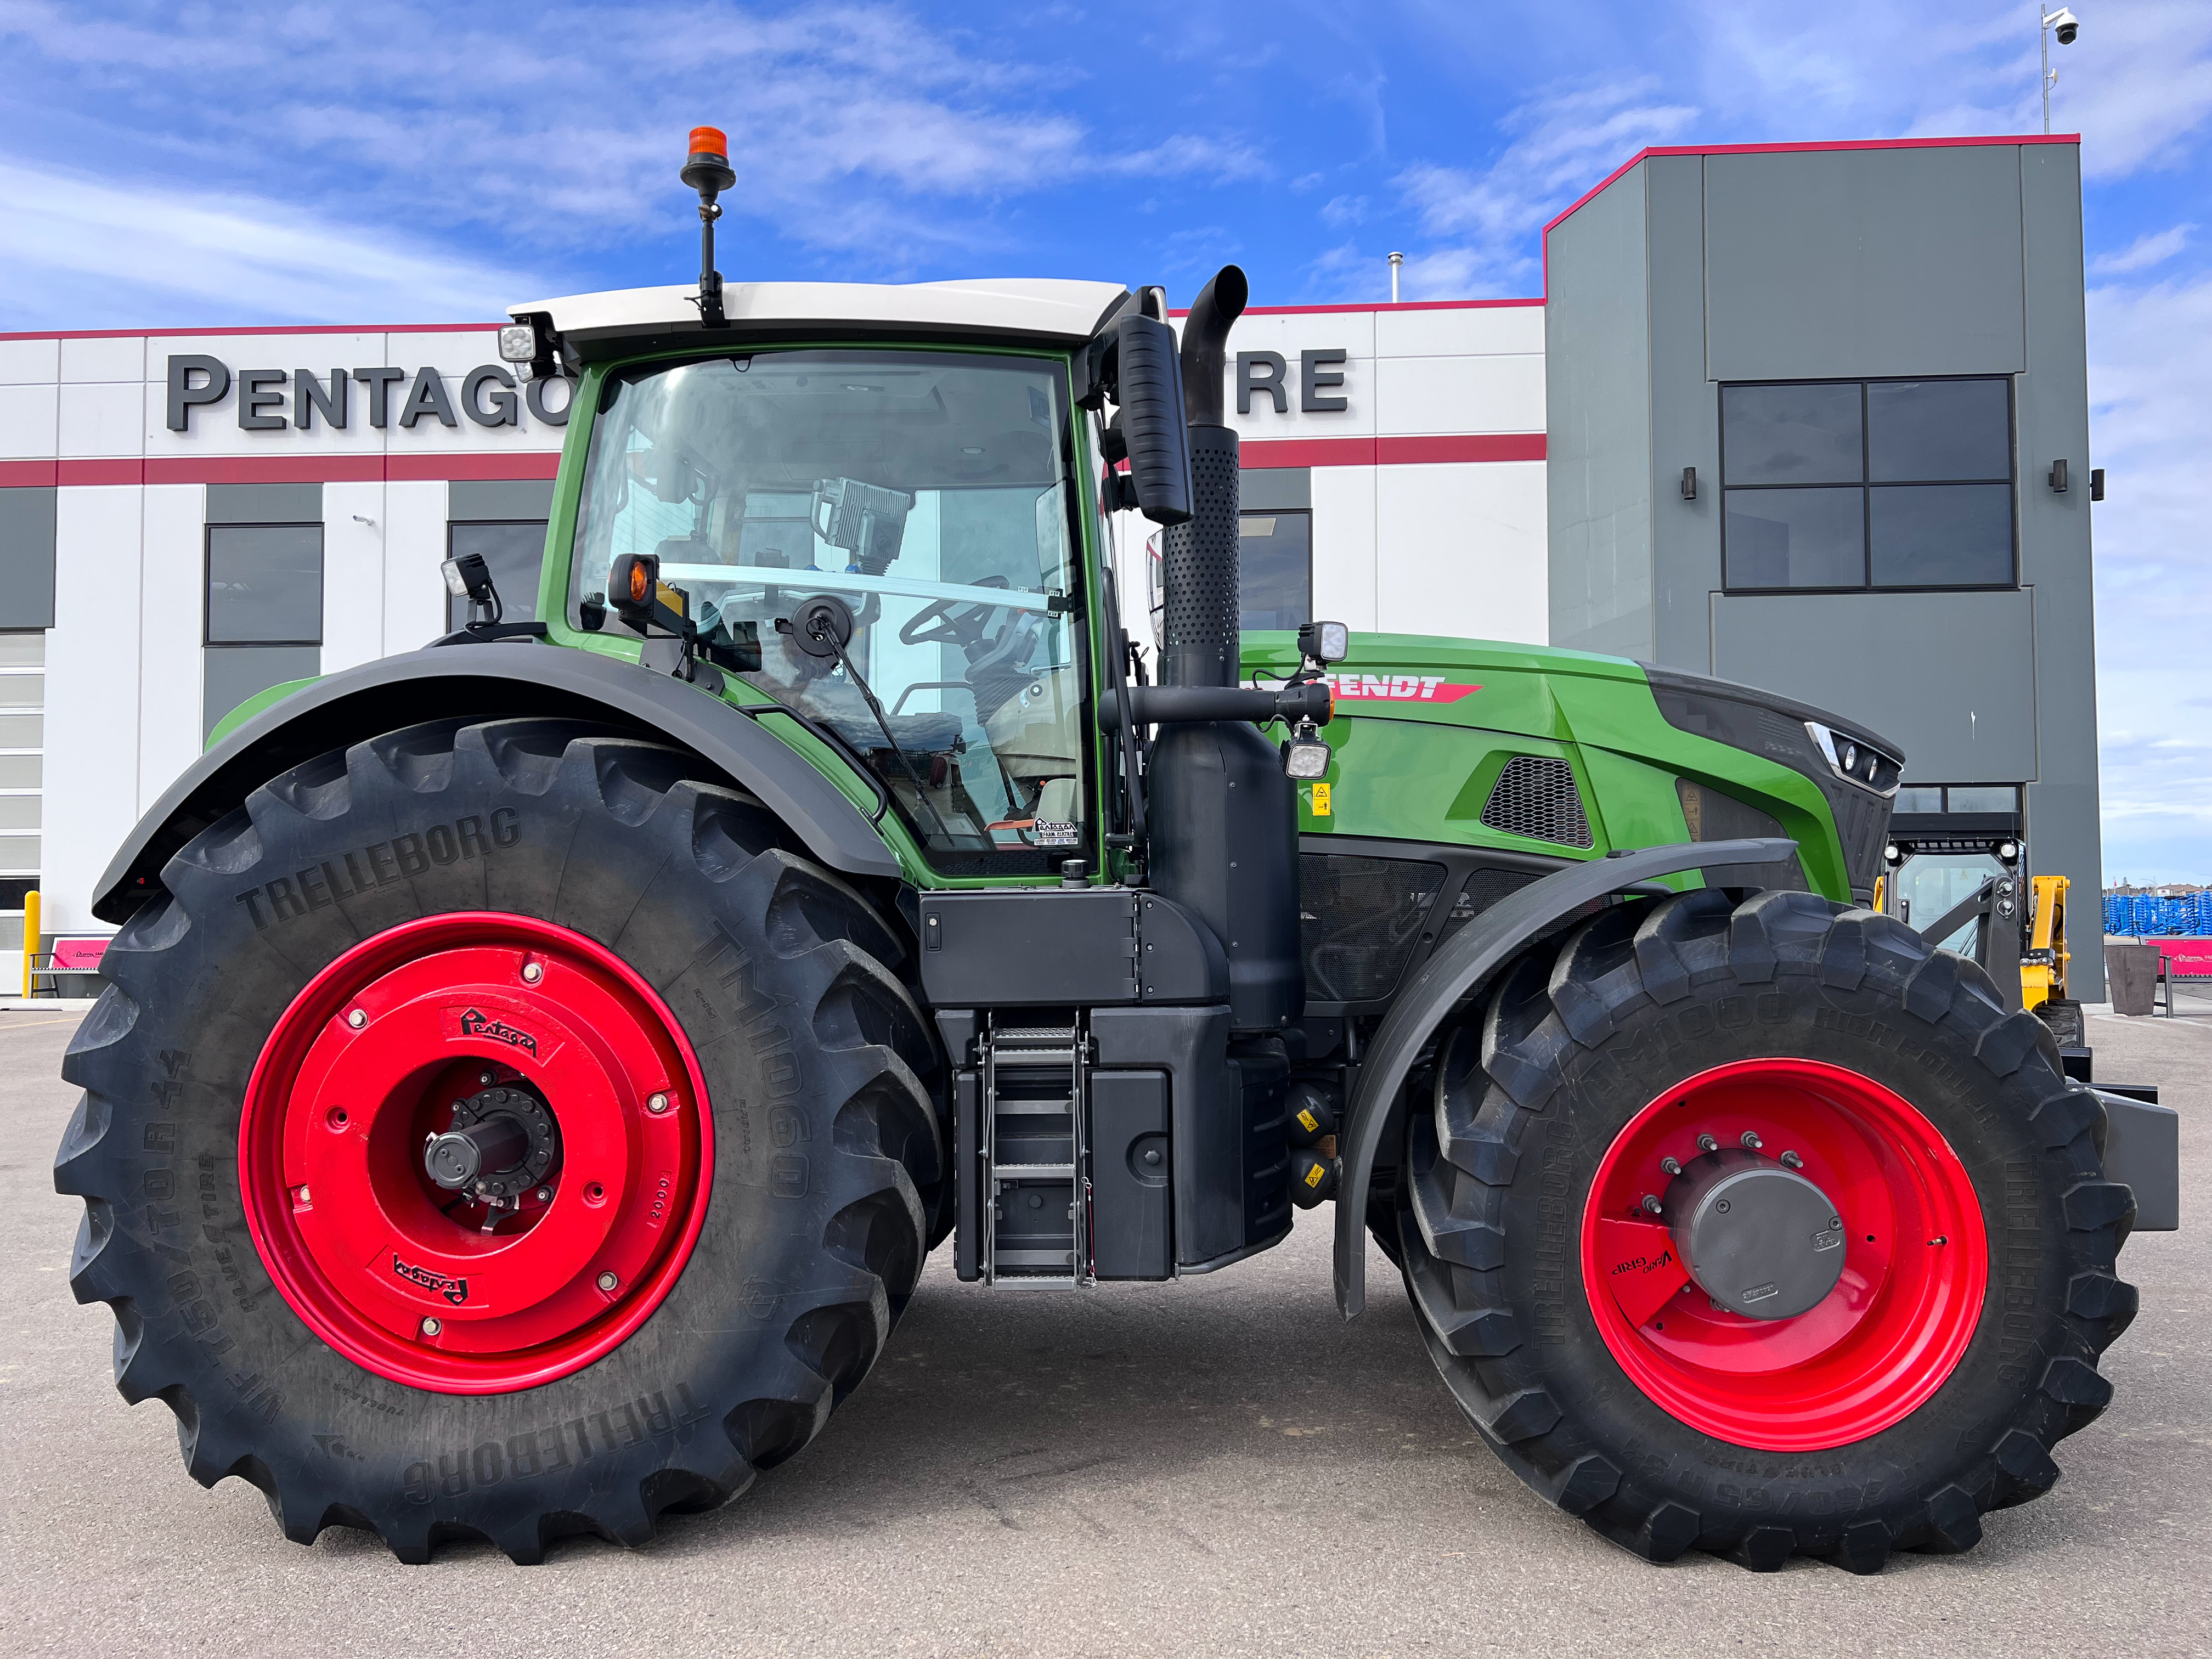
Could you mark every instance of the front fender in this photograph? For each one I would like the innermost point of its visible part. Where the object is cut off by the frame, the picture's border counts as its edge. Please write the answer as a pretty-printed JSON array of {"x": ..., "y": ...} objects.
[
  {"x": 490, "y": 680},
  {"x": 1457, "y": 970}
]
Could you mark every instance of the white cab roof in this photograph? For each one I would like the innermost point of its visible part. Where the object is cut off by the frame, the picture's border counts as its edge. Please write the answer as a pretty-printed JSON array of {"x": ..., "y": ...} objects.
[{"x": 1036, "y": 306}]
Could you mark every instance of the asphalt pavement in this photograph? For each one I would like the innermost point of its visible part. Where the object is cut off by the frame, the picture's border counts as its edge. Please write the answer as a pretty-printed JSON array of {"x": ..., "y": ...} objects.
[{"x": 1217, "y": 1467}]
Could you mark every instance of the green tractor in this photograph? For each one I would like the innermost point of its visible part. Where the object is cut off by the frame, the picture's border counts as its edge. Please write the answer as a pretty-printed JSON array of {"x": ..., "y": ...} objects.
[{"x": 534, "y": 1069}]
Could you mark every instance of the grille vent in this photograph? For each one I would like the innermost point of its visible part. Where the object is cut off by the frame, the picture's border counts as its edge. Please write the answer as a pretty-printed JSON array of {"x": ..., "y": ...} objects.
[{"x": 1535, "y": 796}]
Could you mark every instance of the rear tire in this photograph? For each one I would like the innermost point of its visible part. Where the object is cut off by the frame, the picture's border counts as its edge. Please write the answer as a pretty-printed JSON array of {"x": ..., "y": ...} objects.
[
  {"x": 821, "y": 1166},
  {"x": 1542, "y": 1089}
]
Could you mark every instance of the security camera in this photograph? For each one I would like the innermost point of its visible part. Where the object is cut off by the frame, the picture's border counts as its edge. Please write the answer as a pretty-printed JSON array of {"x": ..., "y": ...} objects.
[{"x": 2066, "y": 23}]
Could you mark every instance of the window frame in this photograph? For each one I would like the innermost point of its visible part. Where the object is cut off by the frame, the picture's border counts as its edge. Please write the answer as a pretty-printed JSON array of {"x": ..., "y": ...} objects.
[
  {"x": 1305, "y": 513},
  {"x": 208, "y": 641},
  {"x": 1867, "y": 485}
]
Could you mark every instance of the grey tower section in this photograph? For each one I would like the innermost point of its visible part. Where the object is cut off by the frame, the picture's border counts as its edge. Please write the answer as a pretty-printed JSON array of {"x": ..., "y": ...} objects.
[{"x": 1689, "y": 270}]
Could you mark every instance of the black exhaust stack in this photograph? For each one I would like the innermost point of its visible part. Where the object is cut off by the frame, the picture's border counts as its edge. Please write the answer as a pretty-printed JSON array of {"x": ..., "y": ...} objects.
[
  {"x": 1198, "y": 559},
  {"x": 1224, "y": 819}
]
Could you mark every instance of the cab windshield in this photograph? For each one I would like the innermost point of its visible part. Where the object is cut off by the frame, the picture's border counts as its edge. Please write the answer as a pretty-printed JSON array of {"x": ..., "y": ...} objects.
[{"x": 932, "y": 493}]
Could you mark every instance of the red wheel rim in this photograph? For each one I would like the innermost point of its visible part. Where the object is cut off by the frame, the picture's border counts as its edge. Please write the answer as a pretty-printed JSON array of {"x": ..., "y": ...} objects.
[
  {"x": 1877, "y": 1347},
  {"x": 399, "y": 1275}
]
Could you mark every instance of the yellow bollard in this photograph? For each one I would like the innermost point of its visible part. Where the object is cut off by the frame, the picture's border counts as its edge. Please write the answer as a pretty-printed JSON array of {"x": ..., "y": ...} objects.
[{"x": 30, "y": 936}]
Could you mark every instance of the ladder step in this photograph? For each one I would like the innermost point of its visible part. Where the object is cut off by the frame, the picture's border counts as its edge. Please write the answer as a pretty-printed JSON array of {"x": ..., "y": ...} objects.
[
  {"x": 1036, "y": 1036},
  {"x": 1061, "y": 1259},
  {"x": 1038, "y": 1281},
  {"x": 1034, "y": 1108},
  {"x": 1030, "y": 1172}
]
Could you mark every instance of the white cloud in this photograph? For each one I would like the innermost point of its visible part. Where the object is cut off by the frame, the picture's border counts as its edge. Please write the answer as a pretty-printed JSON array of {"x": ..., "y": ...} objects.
[
  {"x": 2150, "y": 354},
  {"x": 859, "y": 131},
  {"x": 1481, "y": 220},
  {"x": 2152, "y": 249},
  {"x": 215, "y": 259},
  {"x": 1341, "y": 210}
]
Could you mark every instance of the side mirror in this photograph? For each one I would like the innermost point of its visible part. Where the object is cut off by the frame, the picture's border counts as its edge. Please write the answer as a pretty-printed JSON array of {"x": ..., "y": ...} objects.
[{"x": 1135, "y": 363}]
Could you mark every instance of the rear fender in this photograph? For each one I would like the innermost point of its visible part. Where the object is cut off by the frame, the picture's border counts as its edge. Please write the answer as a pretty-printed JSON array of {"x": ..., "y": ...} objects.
[
  {"x": 490, "y": 680},
  {"x": 1459, "y": 969}
]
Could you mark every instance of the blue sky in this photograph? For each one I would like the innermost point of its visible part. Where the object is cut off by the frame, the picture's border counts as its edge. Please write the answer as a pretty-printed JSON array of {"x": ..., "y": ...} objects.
[{"x": 390, "y": 160}]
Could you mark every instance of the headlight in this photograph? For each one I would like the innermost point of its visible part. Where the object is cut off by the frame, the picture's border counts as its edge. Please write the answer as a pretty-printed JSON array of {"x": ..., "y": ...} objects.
[
  {"x": 1305, "y": 758},
  {"x": 518, "y": 343},
  {"x": 1855, "y": 761}
]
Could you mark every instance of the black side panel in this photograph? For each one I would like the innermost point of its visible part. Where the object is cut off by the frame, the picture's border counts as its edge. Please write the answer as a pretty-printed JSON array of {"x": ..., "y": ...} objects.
[
  {"x": 1027, "y": 947},
  {"x": 1713, "y": 816},
  {"x": 1774, "y": 726},
  {"x": 481, "y": 681},
  {"x": 2142, "y": 1148},
  {"x": 1130, "y": 1166},
  {"x": 1225, "y": 845},
  {"x": 1206, "y": 1109}
]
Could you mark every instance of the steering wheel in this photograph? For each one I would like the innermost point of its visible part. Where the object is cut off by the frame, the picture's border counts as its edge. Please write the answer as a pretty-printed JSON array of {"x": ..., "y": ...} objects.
[{"x": 963, "y": 622}]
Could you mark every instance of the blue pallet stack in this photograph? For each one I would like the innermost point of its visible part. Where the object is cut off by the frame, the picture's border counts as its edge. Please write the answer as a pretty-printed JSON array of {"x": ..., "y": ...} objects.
[{"x": 2159, "y": 915}]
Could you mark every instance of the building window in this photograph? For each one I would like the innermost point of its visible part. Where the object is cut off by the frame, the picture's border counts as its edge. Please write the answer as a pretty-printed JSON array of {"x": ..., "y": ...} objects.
[
  {"x": 1853, "y": 485},
  {"x": 1274, "y": 552},
  {"x": 515, "y": 552},
  {"x": 1921, "y": 800},
  {"x": 264, "y": 612}
]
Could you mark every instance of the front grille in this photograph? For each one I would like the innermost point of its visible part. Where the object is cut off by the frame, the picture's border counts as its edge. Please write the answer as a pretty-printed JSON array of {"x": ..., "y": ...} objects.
[{"x": 1535, "y": 796}]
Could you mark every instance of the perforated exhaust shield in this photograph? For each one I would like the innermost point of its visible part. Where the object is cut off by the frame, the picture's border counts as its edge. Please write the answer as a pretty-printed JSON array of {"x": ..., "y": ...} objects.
[{"x": 1199, "y": 569}]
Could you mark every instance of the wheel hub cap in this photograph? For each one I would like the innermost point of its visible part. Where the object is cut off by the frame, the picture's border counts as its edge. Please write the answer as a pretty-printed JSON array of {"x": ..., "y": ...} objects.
[
  {"x": 1758, "y": 1238},
  {"x": 475, "y": 1152}
]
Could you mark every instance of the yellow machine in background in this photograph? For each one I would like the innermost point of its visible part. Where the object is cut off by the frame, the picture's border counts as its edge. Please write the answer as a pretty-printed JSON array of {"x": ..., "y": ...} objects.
[{"x": 2042, "y": 962}]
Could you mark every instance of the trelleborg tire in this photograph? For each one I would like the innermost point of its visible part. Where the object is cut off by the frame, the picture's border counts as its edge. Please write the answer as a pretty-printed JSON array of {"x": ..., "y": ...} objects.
[
  {"x": 735, "y": 1214},
  {"x": 1929, "y": 1385}
]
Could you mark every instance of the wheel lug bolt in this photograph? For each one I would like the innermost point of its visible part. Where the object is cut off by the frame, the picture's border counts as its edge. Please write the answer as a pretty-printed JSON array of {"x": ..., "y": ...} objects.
[
  {"x": 608, "y": 1281},
  {"x": 1671, "y": 1166},
  {"x": 532, "y": 973},
  {"x": 357, "y": 1019},
  {"x": 544, "y": 1194},
  {"x": 431, "y": 1327},
  {"x": 1751, "y": 1143},
  {"x": 1651, "y": 1204},
  {"x": 656, "y": 1105},
  {"x": 303, "y": 1196},
  {"x": 484, "y": 1076},
  {"x": 1706, "y": 1144},
  {"x": 1791, "y": 1161}
]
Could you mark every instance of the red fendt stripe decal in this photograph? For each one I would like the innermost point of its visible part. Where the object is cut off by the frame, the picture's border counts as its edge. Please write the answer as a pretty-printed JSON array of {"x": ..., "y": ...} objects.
[{"x": 1395, "y": 688}]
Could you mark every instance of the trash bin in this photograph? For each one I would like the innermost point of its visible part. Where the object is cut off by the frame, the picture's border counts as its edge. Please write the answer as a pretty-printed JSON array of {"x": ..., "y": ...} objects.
[{"x": 2131, "y": 970}]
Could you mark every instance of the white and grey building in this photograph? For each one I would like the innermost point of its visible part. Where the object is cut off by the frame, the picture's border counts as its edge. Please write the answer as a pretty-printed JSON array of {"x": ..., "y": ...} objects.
[{"x": 188, "y": 518}]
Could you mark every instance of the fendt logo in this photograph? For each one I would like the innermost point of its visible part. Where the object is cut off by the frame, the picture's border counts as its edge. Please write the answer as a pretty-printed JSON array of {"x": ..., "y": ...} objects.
[
  {"x": 1395, "y": 687},
  {"x": 455, "y": 1291},
  {"x": 474, "y": 1024}
]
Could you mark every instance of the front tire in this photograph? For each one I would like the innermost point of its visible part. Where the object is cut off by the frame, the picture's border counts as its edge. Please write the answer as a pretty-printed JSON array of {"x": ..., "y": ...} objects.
[
  {"x": 1545, "y": 1201},
  {"x": 715, "y": 1235}
]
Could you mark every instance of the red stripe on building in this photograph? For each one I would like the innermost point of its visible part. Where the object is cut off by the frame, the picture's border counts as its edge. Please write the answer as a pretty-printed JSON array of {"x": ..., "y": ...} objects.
[{"x": 279, "y": 469}]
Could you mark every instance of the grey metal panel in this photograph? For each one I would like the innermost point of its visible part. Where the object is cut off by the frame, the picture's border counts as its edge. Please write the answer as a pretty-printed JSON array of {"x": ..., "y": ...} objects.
[
  {"x": 481, "y": 499},
  {"x": 1597, "y": 381},
  {"x": 26, "y": 556},
  {"x": 1950, "y": 676},
  {"x": 1275, "y": 488},
  {"x": 1852, "y": 263},
  {"x": 279, "y": 503},
  {"x": 1685, "y": 535},
  {"x": 2052, "y": 403}
]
